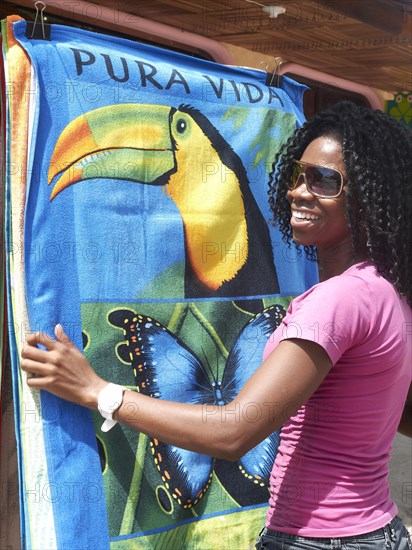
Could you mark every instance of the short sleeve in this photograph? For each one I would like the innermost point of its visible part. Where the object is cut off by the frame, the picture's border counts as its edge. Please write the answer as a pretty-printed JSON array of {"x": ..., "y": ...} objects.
[{"x": 336, "y": 314}]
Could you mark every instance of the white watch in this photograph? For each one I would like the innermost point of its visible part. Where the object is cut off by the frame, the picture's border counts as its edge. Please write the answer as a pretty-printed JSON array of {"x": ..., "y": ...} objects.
[{"x": 109, "y": 400}]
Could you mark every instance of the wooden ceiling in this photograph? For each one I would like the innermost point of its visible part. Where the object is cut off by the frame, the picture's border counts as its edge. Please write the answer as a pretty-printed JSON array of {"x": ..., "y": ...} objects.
[{"x": 366, "y": 41}]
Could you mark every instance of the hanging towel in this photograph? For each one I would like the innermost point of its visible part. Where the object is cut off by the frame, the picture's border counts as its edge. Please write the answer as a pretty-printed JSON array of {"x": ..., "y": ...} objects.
[{"x": 137, "y": 216}]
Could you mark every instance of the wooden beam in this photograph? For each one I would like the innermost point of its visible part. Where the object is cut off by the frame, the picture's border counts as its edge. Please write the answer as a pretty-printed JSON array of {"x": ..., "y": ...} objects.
[{"x": 383, "y": 15}]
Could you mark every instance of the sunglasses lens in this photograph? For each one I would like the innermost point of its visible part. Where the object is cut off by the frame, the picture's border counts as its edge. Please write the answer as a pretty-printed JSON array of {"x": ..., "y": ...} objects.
[
  {"x": 323, "y": 181},
  {"x": 298, "y": 170}
]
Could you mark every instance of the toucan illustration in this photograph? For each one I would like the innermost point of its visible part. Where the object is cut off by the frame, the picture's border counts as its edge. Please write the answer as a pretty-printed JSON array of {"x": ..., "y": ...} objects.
[{"x": 228, "y": 251}]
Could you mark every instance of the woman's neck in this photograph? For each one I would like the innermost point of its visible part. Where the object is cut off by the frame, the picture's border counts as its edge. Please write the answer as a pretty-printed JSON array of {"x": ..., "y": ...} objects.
[{"x": 335, "y": 260}]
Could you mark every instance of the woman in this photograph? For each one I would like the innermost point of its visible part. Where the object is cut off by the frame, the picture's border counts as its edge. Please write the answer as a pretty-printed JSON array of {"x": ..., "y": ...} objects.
[{"x": 337, "y": 372}]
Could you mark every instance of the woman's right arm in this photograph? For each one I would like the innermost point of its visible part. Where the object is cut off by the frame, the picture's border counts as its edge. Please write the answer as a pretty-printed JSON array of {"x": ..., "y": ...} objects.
[{"x": 285, "y": 380}]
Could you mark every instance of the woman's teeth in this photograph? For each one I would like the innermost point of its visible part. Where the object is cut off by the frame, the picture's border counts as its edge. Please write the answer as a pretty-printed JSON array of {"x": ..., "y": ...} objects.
[{"x": 305, "y": 216}]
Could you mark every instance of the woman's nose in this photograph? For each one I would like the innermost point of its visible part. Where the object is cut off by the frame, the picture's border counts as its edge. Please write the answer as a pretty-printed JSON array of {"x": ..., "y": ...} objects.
[{"x": 301, "y": 190}]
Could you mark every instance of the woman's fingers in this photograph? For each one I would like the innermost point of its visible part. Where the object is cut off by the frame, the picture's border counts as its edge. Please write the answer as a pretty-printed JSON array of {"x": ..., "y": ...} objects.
[
  {"x": 61, "y": 335},
  {"x": 40, "y": 362},
  {"x": 34, "y": 353},
  {"x": 39, "y": 383},
  {"x": 60, "y": 368},
  {"x": 35, "y": 367},
  {"x": 41, "y": 339}
]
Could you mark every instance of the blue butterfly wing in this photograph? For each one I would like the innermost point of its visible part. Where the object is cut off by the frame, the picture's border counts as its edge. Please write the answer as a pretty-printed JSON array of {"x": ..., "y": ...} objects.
[
  {"x": 164, "y": 367},
  {"x": 244, "y": 358}
]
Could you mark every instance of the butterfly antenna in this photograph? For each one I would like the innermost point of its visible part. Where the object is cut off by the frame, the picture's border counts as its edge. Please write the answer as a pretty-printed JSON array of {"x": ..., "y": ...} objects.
[{"x": 209, "y": 370}]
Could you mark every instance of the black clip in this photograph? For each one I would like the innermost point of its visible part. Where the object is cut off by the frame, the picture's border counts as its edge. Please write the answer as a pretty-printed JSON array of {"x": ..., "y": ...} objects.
[
  {"x": 38, "y": 31},
  {"x": 275, "y": 78}
]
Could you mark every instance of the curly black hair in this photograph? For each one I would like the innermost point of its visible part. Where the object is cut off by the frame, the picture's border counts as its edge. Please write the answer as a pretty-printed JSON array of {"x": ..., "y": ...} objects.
[{"x": 377, "y": 154}]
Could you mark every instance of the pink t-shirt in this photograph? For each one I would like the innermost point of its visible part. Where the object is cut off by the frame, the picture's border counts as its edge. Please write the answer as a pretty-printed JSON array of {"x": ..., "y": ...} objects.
[{"x": 330, "y": 475}]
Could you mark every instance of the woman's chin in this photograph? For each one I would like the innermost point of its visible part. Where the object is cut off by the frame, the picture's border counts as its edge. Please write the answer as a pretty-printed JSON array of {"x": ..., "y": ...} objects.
[{"x": 301, "y": 240}]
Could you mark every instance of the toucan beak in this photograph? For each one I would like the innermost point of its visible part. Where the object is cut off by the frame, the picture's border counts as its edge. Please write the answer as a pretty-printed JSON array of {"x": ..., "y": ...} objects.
[{"x": 126, "y": 141}]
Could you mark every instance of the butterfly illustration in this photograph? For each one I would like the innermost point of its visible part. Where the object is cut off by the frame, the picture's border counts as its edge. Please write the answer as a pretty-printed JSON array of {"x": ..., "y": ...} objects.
[{"x": 166, "y": 368}]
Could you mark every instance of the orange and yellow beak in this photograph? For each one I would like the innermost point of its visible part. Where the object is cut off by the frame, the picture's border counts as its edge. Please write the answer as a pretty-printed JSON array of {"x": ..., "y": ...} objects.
[{"x": 126, "y": 141}]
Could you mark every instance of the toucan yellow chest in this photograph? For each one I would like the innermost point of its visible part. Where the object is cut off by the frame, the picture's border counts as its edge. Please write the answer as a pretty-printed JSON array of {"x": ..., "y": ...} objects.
[{"x": 210, "y": 202}]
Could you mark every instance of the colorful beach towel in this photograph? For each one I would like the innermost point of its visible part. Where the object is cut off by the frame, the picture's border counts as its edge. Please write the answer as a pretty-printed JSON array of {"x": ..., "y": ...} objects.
[{"x": 138, "y": 218}]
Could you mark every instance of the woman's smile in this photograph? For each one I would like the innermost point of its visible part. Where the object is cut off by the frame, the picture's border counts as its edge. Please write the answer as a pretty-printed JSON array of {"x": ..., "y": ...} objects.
[{"x": 300, "y": 215}]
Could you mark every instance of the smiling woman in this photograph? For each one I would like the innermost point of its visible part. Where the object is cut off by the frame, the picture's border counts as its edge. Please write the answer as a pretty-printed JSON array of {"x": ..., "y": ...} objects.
[
  {"x": 371, "y": 150},
  {"x": 336, "y": 373},
  {"x": 318, "y": 219}
]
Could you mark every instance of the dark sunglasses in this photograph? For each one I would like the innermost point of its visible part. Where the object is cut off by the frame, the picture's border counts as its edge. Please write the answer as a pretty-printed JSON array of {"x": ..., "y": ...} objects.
[{"x": 326, "y": 183}]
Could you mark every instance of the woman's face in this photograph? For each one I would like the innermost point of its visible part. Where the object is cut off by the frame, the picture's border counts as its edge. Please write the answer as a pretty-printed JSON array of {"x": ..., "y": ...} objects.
[{"x": 318, "y": 221}]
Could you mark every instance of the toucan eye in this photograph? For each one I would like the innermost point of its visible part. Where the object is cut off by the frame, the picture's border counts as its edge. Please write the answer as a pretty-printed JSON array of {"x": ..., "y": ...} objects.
[{"x": 181, "y": 126}]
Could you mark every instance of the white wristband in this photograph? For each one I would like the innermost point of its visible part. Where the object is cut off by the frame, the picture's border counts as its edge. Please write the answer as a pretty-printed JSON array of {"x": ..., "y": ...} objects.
[{"x": 109, "y": 400}]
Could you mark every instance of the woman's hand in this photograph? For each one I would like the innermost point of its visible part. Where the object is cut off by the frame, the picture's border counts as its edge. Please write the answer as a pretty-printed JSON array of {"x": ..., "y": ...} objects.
[{"x": 61, "y": 368}]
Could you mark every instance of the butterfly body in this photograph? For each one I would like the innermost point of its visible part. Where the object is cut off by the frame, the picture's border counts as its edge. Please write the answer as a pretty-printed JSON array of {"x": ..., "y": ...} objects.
[{"x": 219, "y": 400}]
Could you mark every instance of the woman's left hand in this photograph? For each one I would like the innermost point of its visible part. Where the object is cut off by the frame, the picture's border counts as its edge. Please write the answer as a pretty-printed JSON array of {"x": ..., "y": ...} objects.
[{"x": 61, "y": 368}]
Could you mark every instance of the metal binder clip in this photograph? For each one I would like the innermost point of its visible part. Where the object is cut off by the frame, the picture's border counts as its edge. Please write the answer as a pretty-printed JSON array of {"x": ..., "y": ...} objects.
[
  {"x": 265, "y": 65},
  {"x": 276, "y": 73},
  {"x": 35, "y": 32}
]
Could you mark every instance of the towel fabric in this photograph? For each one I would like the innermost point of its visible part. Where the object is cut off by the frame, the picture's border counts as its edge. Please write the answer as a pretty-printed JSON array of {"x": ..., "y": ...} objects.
[{"x": 137, "y": 216}]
